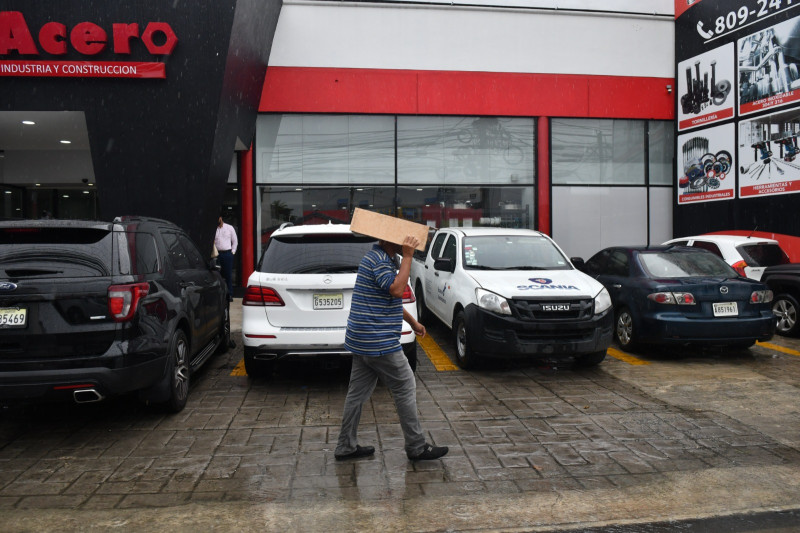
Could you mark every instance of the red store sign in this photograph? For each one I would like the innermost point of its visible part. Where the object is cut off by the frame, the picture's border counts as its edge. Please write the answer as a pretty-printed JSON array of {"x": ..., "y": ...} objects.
[{"x": 86, "y": 38}]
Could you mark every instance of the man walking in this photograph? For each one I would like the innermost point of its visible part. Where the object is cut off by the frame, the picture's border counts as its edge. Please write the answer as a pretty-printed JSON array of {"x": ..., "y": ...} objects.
[
  {"x": 226, "y": 242},
  {"x": 373, "y": 335}
]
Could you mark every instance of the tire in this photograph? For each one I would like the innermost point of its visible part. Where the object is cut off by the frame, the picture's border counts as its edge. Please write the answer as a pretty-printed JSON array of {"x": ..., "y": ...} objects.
[
  {"x": 465, "y": 357},
  {"x": 591, "y": 359},
  {"x": 422, "y": 310},
  {"x": 410, "y": 351},
  {"x": 225, "y": 332},
  {"x": 177, "y": 378},
  {"x": 624, "y": 329},
  {"x": 785, "y": 309},
  {"x": 256, "y": 368}
]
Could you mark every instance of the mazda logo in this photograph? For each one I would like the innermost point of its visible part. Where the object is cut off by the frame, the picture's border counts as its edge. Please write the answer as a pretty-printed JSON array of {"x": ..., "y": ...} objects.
[
  {"x": 7, "y": 286},
  {"x": 723, "y": 289},
  {"x": 327, "y": 280}
]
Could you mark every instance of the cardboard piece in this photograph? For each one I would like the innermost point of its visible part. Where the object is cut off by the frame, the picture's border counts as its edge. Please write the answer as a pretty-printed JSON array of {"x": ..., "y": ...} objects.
[{"x": 387, "y": 228}]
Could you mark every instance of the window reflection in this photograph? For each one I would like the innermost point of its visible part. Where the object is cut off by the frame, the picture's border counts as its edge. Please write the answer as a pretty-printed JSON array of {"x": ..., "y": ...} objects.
[{"x": 597, "y": 152}]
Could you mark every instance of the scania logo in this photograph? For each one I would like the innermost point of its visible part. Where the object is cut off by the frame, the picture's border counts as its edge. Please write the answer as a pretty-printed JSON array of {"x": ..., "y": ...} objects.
[
  {"x": 541, "y": 281},
  {"x": 723, "y": 289},
  {"x": 7, "y": 286},
  {"x": 327, "y": 280}
]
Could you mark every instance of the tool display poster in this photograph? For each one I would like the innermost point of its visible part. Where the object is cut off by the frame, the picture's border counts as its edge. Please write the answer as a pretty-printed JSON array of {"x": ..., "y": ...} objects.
[{"x": 738, "y": 98}]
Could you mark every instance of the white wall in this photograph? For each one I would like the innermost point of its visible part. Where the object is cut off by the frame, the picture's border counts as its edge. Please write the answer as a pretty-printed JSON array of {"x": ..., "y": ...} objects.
[{"x": 392, "y": 36}]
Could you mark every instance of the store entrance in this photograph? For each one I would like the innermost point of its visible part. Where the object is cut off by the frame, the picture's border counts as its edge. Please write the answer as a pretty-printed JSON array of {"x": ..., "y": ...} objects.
[{"x": 46, "y": 168}]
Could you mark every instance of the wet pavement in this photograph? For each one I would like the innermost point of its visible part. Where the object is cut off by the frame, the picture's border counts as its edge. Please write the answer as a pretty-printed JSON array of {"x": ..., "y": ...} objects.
[{"x": 676, "y": 438}]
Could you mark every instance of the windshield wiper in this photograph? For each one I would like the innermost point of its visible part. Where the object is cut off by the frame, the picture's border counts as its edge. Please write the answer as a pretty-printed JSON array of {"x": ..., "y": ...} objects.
[
  {"x": 527, "y": 267},
  {"x": 480, "y": 267}
]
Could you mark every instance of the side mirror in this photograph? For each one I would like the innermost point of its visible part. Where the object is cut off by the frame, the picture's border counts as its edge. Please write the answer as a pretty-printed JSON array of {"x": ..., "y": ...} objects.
[
  {"x": 446, "y": 264},
  {"x": 578, "y": 263},
  {"x": 214, "y": 265}
]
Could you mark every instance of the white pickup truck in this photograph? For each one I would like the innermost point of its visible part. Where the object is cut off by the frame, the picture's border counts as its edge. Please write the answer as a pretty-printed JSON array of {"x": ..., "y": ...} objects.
[{"x": 511, "y": 293}]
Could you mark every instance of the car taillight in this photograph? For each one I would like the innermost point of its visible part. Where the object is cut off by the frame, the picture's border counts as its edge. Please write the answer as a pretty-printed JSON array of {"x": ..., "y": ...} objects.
[
  {"x": 408, "y": 295},
  {"x": 739, "y": 267},
  {"x": 262, "y": 296},
  {"x": 680, "y": 298},
  {"x": 761, "y": 297},
  {"x": 123, "y": 300}
]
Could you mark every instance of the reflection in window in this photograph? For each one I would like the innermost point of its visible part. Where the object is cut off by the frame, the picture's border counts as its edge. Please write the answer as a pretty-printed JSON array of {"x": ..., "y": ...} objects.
[
  {"x": 661, "y": 141},
  {"x": 597, "y": 152},
  {"x": 463, "y": 150},
  {"x": 332, "y": 149},
  {"x": 317, "y": 205},
  {"x": 442, "y": 207}
]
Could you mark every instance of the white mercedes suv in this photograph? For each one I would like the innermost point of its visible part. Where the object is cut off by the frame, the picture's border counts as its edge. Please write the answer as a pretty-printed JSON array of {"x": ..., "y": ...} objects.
[{"x": 298, "y": 299}]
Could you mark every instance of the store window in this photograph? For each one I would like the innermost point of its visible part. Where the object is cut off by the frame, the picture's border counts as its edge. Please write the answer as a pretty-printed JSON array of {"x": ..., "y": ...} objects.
[
  {"x": 465, "y": 150},
  {"x": 325, "y": 149},
  {"x": 598, "y": 152},
  {"x": 612, "y": 183},
  {"x": 439, "y": 171}
]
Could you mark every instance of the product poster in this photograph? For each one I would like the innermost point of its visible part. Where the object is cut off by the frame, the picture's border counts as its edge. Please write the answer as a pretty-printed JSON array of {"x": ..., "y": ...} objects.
[
  {"x": 768, "y": 150},
  {"x": 706, "y": 165},
  {"x": 768, "y": 70},
  {"x": 705, "y": 88}
]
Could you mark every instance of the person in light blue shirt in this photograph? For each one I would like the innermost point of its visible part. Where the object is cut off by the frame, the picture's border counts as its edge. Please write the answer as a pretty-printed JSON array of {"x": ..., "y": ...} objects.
[{"x": 373, "y": 336}]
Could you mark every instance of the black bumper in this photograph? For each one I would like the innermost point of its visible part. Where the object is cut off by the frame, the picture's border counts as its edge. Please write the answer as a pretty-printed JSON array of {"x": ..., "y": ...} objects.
[
  {"x": 108, "y": 379},
  {"x": 506, "y": 337}
]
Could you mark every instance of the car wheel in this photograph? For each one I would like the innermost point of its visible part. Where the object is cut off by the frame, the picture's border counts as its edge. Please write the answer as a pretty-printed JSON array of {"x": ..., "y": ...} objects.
[
  {"x": 225, "y": 331},
  {"x": 785, "y": 309},
  {"x": 410, "y": 351},
  {"x": 257, "y": 368},
  {"x": 623, "y": 329},
  {"x": 591, "y": 359},
  {"x": 465, "y": 357},
  {"x": 178, "y": 373},
  {"x": 422, "y": 310}
]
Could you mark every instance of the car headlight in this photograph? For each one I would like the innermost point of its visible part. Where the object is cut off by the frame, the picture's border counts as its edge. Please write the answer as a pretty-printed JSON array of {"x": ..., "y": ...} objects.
[
  {"x": 602, "y": 302},
  {"x": 492, "y": 302}
]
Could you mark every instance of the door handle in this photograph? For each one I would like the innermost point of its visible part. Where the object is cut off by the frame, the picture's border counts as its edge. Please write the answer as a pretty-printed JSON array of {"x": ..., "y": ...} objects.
[{"x": 617, "y": 286}]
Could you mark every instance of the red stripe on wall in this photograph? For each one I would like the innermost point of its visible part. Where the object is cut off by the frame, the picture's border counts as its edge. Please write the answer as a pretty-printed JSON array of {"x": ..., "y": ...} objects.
[{"x": 374, "y": 91}]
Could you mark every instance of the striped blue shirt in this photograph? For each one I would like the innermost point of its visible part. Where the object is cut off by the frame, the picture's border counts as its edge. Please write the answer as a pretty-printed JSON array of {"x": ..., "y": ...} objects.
[{"x": 376, "y": 317}]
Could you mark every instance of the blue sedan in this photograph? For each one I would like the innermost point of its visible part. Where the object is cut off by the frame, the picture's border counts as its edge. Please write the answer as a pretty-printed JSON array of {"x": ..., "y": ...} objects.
[{"x": 679, "y": 295}]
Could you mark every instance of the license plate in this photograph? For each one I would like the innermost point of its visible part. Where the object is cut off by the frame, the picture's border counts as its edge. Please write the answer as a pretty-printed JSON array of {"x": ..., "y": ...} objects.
[
  {"x": 726, "y": 309},
  {"x": 328, "y": 301},
  {"x": 13, "y": 317}
]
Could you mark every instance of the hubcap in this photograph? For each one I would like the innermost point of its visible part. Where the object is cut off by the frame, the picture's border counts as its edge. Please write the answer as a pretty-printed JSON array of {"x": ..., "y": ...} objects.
[
  {"x": 787, "y": 315},
  {"x": 181, "y": 379},
  {"x": 624, "y": 329},
  {"x": 461, "y": 340}
]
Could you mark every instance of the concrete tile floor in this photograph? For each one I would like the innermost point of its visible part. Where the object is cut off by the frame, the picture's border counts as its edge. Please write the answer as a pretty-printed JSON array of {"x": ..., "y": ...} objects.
[{"x": 689, "y": 434}]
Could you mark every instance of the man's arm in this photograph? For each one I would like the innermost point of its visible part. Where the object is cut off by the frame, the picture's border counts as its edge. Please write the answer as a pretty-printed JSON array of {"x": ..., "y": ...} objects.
[
  {"x": 234, "y": 241},
  {"x": 418, "y": 328},
  {"x": 401, "y": 280}
]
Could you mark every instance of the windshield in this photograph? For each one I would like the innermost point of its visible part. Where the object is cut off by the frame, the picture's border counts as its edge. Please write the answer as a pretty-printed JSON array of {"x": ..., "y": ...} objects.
[
  {"x": 685, "y": 264},
  {"x": 763, "y": 254},
  {"x": 513, "y": 252},
  {"x": 315, "y": 254}
]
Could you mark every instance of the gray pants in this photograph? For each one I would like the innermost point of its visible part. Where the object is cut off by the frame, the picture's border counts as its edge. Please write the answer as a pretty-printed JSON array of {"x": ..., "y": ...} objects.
[{"x": 394, "y": 372}]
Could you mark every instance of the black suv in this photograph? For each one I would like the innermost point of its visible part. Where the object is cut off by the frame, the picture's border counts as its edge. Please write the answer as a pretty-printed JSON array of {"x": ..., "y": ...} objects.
[
  {"x": 784, "y": 280},
  {"x": 90, "y": 309}
]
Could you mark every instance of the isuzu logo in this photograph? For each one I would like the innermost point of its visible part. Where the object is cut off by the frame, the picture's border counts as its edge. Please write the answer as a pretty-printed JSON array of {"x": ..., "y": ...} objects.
[
  {"x": 555, "y": 307},
  {"x": 7, "y": 286}
]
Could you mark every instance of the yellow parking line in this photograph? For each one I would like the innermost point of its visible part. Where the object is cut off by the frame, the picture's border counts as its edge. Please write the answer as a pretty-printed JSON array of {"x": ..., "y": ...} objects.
[
  {"x": 436, "y": 354},
  {"x": 625, "y": 357},
  {"x": 778, "y": 348},
  {"x": 239, "y": 370}
]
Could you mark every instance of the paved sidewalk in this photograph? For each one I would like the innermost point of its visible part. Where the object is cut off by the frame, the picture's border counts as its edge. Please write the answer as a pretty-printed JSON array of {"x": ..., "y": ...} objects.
[{"x": 531, "y": 450}]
